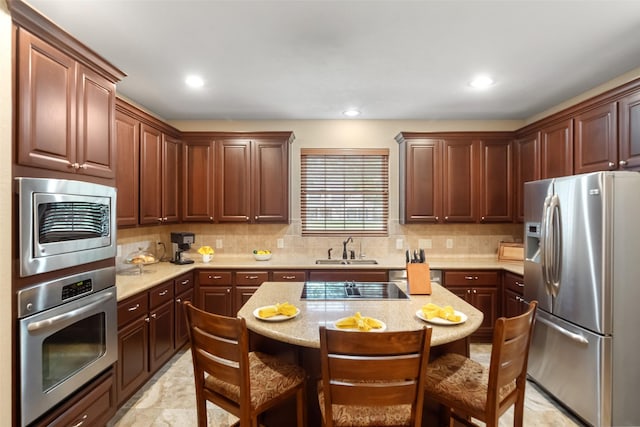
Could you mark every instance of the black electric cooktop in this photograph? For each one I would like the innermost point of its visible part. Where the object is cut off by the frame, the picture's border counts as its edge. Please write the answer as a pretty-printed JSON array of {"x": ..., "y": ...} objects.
[{"x": 352, "y": 290}]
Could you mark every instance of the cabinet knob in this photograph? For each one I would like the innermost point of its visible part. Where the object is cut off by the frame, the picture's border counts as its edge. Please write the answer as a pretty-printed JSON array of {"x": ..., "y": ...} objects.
[
  {"x": 178, "y": 300},
  {"x": 228, "y": 290},
  {"x": 185, "y": 282},
  {"x": 134, "y": 308},
  {"x": 146, "y": 319},
  {"x": 82, "y": 166},
  {"x": 622, "y": 163},
  {"x": 82, "y": 420},
  {"x": 251, "y": 277},
  {"x": 611, "y": 165},
  {"x": 74, "y": 165},
  {"x": 519, "y": 284},
  {"x": 475, "y": 291},
  {"x": 468, "y": 277},
  {"x": 163, "y": 293},
  {"x": 246, "y": 218},
  {"x": 437, "y": 218},
  {"x": 482, "y": 219},
  {"x": 468, "y": 291},
  {"x": 154, "y": 315},
  {"x": 210, "y": 218},
  {"x": 446, "y": 218},
  {"x": 256, "y": 218}
]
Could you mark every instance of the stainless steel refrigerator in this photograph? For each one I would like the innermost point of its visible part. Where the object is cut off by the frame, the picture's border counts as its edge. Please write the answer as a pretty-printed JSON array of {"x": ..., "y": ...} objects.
[{"x": 582, "y": 264}]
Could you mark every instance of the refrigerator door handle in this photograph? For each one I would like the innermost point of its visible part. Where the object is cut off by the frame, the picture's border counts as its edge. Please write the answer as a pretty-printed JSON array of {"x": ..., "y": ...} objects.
[
  {"x": 575, "y": 337},
  {"x": 555, "y": 240},
  {"x": 544, "y": 243}
]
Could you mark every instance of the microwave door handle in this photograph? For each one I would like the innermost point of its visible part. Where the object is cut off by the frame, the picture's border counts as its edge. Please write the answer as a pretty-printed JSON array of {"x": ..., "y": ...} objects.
[{"x": 51, "y": 323}]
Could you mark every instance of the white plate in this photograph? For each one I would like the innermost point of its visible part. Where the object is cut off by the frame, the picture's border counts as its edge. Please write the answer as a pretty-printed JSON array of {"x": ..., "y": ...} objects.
[
  {"x": 276, "y": 318},
  {"x": 333, "y": 326},
  {"x": 440, "y": 320}
]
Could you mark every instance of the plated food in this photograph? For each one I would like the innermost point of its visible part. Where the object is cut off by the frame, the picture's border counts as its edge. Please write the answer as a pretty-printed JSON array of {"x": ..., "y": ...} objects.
[
  {"x": 262, "y": 254},
  {"x": 276, "y": 312},
  {"x": 433, "y": 313},
  {"x": 360, "y": 323}
]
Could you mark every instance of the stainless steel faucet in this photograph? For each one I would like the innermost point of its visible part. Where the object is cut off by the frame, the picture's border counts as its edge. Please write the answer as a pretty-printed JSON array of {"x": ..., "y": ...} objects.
[{"x": 344, "y": 247}]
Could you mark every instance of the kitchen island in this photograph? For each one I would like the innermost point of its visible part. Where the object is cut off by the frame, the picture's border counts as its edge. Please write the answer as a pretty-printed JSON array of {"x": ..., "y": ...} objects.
[{"x": 297, "y": 339}]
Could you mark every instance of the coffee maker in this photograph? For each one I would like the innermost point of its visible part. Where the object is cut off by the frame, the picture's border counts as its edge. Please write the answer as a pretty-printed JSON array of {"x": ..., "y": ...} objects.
[{"x": 181, "y": 242}]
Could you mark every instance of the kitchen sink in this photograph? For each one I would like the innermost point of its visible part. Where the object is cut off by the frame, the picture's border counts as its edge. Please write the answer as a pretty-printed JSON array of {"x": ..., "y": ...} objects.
[{"x": 346, "y": 261}]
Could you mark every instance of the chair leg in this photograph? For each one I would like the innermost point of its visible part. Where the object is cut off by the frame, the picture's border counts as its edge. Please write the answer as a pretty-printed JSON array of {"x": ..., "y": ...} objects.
[
  {"x": 301, "y": 411},
  {"x": 201, "y": 407},
  {"x": 518, "y": 413}
]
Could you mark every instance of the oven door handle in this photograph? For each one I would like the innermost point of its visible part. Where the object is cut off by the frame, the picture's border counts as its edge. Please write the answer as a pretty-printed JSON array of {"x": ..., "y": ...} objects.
[{"x": 53, "y": 321}]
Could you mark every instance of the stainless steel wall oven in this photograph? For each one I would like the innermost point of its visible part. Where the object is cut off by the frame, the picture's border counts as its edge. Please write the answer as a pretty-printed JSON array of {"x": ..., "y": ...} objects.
[
  {"x": 67, "y": 337},
  {"x": 63, "y": 223}
]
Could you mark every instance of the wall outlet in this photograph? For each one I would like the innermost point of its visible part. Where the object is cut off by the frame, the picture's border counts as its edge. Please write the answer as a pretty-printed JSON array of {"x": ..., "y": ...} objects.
[
  {"x": 218, "y": 243},
  {"x": 280, "y": 243},
  {"x": 424, "y": 243},
  {"x": 399, "y": 244},
  {"x": 449, "y": 243}
]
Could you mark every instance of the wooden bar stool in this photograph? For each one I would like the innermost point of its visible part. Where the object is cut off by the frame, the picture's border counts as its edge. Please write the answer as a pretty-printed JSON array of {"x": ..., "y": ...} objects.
[
  {"x": 468, "y": 389},
  {"x": 373, "y": 378},
  {"x": 227, "y": 374}
]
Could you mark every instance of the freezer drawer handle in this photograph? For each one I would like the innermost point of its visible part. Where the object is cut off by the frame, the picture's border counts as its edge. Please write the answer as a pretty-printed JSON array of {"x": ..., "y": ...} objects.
[{"x": 576, "y": 337}]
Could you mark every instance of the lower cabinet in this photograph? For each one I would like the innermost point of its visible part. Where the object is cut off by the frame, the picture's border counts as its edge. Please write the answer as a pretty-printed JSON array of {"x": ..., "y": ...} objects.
[
  {"x": 480, "y": 289},
  {"x": 145, "y": 337},
  {"x": 512, "y": 301},
  {"x": 215, "y": 292},
  {"x": 183, "y": 290},
  {"x": 94, "y": 405}
]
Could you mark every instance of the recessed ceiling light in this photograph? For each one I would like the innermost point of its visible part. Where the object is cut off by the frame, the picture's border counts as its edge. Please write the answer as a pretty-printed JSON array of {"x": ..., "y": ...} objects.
[
  {"x": 481, "y": 82},
  {"x": 194, "y": 81},
  {"x": 351, "y": 113}
]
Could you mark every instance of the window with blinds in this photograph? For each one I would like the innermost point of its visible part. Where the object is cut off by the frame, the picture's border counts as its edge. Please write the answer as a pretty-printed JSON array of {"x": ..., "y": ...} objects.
[{"x": 344, "y": 191}]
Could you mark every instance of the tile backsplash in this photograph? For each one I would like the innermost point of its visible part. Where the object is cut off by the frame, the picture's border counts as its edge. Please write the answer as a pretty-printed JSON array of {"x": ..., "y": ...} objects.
[{"x": 438, "y": 240}]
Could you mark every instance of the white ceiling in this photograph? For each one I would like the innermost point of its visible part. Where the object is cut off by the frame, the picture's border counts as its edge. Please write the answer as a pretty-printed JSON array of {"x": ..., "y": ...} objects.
[{"x": 305, "y": 59}]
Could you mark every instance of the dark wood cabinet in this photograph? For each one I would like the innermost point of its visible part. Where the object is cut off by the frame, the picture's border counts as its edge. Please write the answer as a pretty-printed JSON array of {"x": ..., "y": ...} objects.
[
  {"x": 513, "y": 289},
  {"x": 183, "y": 290},
  {"x": 289, "y": 276},
  {"x": 66, "y": 111},
  {"x": 215, "y": 292},
  {"x": 556, "y": 149},
  {"x": 480, "y": 289},
  {"x": 133, "y": 345},
  {"x": 420, "y": 180},
  {"x": 127, "y": 171},
  {"x": 159, "y": 179},
  {"x": 198, "y": 180},
  {"x": 596, "y": 139},
  {"x": 460, "y": 170},
  {"x": 252, "y": 176},
  {"x": 629, "y": 137},
  {"x": 456, "y": 177},
  {"x": 246, "y": 283},
  {"x": 527, "y": 168},
  {"x": 496, "y": 185}
]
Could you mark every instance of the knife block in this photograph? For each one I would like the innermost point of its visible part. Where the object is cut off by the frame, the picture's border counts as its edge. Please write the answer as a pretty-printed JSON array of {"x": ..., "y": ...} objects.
[{"x": 419, "y": 279}]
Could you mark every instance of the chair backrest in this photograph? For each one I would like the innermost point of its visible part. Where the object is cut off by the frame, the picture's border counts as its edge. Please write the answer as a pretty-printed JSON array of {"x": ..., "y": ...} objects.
[
  {"x": 219, "y": 347},
  {"x": 509, "y": 356},
  {"x": 374, "y": 368}
]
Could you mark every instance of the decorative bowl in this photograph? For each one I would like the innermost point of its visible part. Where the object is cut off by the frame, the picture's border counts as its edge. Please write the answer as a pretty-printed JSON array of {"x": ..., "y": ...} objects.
[{"x": 262, "y": 257}]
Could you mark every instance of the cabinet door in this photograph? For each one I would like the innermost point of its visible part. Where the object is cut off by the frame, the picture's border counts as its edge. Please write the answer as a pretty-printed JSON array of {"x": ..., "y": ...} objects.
[
  {"x": 150, "y": 175},
  {"x": 629, "y": 141},
  {"x": 459, "y": 194},
  {"x": 161, "y": 335},
  {"x": 270, "y": 181},
  {"x": 216, "y": 299},
  {"x": 513, "y": 304},
  {"x": 181, "y": 333},
  {"x": 242, "y": 295},
  {"x": 496, "y": 202},
  {"x": 198, "y": 192},
  {"x": 127, "y": 179},
  {"x": 485, "y": 300},
  {"x": 170, "y": 179},
  {"x": 422, "y": 181},
  {"x": 527, "y": 164},
  {"x": 96, "y": 142},
  {"x": 233, "y": 180},
  {"x": 596, "y": 139},
  {"x": 133, "y": 357},
  {"x": 46, "y": 105},
  {"x": 556, "y": 150}
]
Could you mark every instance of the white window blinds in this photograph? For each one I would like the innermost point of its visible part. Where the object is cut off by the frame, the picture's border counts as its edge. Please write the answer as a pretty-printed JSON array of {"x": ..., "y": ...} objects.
[{"x": 344, "y": 191}]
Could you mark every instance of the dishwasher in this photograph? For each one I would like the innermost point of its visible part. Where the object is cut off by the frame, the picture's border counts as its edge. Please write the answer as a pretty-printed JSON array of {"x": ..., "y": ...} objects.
[{"x": 400, "y": 277}]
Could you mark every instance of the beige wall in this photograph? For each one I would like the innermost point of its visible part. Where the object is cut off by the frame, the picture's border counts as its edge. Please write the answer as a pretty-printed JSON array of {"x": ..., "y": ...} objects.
[{"x": 6, "y": 297}]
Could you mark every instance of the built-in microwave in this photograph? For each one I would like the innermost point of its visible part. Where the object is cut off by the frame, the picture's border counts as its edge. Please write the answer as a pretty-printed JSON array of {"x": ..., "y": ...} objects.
[{"x": 64, "y": 223}]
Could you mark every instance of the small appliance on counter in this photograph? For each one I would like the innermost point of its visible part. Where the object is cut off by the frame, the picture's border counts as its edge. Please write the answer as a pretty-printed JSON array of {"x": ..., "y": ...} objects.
[{"x": 182, "y": 242}]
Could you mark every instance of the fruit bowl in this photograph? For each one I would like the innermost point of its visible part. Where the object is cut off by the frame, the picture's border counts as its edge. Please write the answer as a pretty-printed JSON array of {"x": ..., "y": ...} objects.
[{"x": 262, "y": 255}]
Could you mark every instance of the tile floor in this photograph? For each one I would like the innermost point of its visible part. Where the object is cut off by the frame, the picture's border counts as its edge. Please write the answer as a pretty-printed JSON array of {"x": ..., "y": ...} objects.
[{"x": 168, "y": 399}]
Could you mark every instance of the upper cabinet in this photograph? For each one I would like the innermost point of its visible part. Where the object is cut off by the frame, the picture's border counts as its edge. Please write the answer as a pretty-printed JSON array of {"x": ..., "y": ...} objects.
[
  {"x": 198, "y": 179},
  {"x": 596, "y": 139},
  {"x": 629, "y": 137},
  {"x": 527, "y": 167},
  {"x": 66, "y": 109},
  {"x": 462, "y": 177},
  {"x": 556, "y": 149},
  {"x": 252, "y": 176},
  {"x": 128, "y": 170}
]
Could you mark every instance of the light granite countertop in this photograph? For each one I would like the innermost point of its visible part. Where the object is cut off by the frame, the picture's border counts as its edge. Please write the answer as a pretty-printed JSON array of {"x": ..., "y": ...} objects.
[
  {"x": 129, "y": 282},
  {"x": 398, "y": 315}
]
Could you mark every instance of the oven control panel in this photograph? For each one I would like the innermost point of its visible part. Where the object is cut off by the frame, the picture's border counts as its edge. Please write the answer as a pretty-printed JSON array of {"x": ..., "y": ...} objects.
[{"x": 75, "y": 289}]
